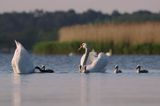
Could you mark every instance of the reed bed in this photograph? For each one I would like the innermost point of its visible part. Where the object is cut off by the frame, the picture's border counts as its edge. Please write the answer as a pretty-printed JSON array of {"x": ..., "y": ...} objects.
[
  {"x": 124, "y": 38},
  {"x": 132, "y": 33}
]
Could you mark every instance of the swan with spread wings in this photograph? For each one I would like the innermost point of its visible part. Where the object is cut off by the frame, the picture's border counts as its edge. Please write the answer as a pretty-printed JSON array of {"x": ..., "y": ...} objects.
[{"x": 98, "y": 62}]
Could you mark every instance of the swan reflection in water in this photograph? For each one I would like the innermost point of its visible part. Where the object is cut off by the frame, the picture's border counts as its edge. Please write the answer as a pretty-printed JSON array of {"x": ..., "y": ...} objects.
[
  {"x": 16, "y": 93},
  {"x": 91, "y": 87},
  {"x": 84, "y": 90}
]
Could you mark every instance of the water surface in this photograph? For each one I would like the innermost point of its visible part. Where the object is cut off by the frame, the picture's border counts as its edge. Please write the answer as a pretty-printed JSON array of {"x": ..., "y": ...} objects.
[{"x": 67, "y": 87}]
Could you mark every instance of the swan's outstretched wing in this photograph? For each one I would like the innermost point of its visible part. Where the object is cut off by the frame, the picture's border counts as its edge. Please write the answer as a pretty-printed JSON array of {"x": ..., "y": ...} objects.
[
  {"x": 21, "y": 61},
  {"x": 98, "y": 65},
  {"x": 92, "y": 56}
]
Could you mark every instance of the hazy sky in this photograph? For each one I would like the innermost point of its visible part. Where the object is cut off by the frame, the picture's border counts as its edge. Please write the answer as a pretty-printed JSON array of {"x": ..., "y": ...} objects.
[{"x": 106, "y": 6}]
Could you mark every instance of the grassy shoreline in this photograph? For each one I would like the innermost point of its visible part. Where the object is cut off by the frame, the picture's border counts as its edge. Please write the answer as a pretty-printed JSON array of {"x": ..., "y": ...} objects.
[
  {"x": 122, "y": 38},
  {"x": 118, "y": 48}
]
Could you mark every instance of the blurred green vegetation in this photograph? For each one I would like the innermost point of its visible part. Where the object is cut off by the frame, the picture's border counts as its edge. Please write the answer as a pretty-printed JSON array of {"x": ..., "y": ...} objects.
[
  {"x": 39, "y": 25},
  {"x": 72, "y": 47},
  {"x": 55, "y": 47}
]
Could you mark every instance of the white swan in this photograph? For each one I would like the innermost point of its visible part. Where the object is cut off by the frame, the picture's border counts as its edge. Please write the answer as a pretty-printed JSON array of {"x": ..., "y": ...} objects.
[
  {"x": 109, "y": 53},
  {"x": 98, "y": 62},
  {"x": 21, "y": 61}
]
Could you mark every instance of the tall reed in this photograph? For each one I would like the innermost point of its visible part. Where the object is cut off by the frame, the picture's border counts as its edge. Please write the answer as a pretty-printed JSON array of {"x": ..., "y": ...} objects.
[
  {"x": 124, "y": 38},
  {"x": 133, "y": 33}
]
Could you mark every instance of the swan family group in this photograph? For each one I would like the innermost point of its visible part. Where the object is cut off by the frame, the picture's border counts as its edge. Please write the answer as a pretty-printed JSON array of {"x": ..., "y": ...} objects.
[{"x": 22, "y": 62}]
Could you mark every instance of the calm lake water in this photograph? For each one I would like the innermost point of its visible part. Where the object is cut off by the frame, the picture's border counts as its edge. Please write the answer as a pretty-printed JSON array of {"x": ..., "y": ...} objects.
[{"x": 68, "y": 87}]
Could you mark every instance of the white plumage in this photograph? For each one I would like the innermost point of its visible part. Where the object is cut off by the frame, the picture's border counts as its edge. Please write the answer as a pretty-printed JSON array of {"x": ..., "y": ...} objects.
[
  {"x": 92, "y": 55},
  {"x": 109, "y": 53},
  {"x": 97, "y": 62},
  {"x": 21, "y": 61}
]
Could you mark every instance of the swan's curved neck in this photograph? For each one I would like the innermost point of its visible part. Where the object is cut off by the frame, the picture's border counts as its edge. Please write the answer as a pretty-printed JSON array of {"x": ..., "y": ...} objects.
[
  {"x": 85, "y": 56},
  {"x": 117, "y": 69},
  {"x": 139, "y": 69},
  {"x": 38, "y": 68}
]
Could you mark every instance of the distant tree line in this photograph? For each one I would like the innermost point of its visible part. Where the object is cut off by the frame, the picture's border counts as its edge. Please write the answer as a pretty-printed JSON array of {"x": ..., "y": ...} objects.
[{"x": 32, "y": 27}]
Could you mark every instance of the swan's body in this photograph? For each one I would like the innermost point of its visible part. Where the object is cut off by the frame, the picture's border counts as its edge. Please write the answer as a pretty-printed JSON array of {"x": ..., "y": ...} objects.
[
  {"x": 98, "y": 62},
  {"x": 109, "y": 53},
  {"x": 44, "y": 70},
  {"x": 21, "y": 61},
  {"x": 117, "y": 70},
  {"x": 71, "y": 54},
  {"x": 141, "y": 71}
]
